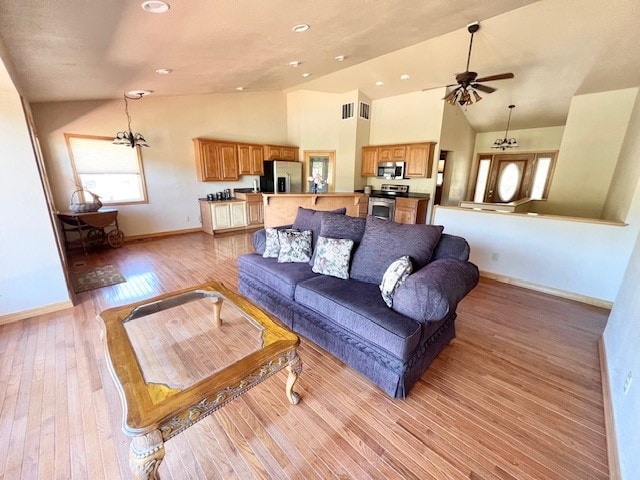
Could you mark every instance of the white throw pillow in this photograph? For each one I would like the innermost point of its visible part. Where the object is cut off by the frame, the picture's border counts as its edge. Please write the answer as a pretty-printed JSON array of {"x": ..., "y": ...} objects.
[
  {"x": 393, "y": 277},
  {"x": 295, "y": 246},
  {"x": 332, "y": 256},
  {"x": 272, "y": 244}
]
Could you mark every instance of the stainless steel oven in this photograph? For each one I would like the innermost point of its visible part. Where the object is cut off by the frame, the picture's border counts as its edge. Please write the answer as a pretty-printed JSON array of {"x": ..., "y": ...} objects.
[{"x": 382, "y": 207}]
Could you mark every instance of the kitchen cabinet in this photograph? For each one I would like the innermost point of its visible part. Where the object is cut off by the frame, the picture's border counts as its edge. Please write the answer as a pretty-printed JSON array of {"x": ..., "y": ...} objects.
[
  {"x": 392, "y": 153},
  {"x": 279, "y": 152},
  {"x": 411, "y": 210},
  {"x": 369, "y": 161},
  {"x": 255, "y": 210},
  {"x": 225, "y": 215},
  {"x": 215, "y": 161},
  {"x": 419, "y": 160},
  {"x": 250, "y": 159}
]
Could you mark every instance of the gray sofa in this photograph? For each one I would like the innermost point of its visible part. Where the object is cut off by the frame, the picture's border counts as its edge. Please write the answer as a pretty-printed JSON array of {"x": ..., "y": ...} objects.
[{"x": 348, "y": 318}]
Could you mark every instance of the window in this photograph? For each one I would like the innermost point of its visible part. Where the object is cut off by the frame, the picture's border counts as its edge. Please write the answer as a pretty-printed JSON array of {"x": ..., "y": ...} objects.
[
  {"x": 506, "y": 178},
  {"x": 113, "y": 172}
]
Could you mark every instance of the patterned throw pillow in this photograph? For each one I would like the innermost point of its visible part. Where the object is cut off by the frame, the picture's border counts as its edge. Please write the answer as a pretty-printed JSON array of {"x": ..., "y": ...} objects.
[
  {"x": 332, "y": 256},
  {"x": 295, "y": 246},
  {"x": 272, "y": 244},
  {"x": 396, "y": 273}
]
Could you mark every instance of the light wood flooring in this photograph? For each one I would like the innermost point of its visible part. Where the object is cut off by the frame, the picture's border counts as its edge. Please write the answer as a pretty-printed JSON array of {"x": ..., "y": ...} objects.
[{"x": 517, "y": 395}]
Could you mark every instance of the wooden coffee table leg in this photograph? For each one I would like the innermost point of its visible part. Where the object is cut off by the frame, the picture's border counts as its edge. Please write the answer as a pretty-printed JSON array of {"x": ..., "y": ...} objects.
[
  {"x": 294, "y": 369},
  {"x": 217, "y": 306},
  {"x": 145, "y": 454}
]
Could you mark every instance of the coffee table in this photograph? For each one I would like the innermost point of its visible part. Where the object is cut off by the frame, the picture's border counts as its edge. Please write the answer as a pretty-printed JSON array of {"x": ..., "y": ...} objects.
[{"x": 179, "y": 357}]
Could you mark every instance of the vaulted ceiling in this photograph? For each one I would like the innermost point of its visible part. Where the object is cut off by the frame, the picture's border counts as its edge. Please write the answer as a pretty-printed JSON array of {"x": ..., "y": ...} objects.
[{"x": 62, "y": 50}]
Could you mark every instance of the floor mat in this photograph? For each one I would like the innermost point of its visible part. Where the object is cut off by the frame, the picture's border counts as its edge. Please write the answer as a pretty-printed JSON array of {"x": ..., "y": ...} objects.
[{"x": 90, "y": 279}]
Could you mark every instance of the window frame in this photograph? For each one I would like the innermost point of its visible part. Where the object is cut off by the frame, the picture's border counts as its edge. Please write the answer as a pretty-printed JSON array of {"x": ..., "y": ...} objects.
[{"x": 76, "y": 177}]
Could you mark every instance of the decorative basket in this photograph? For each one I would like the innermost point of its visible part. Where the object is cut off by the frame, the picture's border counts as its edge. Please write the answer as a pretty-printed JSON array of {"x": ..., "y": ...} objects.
[{"x": 77, "y": 207}]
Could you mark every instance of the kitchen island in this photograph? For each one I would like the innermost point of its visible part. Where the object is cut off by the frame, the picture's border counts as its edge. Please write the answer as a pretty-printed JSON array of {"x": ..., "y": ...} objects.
[{"x": 281, "y": 208}]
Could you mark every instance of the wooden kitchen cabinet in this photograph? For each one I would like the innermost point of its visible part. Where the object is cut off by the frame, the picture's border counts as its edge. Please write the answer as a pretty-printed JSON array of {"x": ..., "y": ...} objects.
[
  {"x": 255, "y": 210},
  {"x": 419, "y": 160},
  {"x": 280, "y": 152},
  {"x": 392, "y": 153},
  {"x": 411, "y": 210},
  {"x": 250, "y": 159},
  {"x": 215, "y": 161},
  {"x": 369, "y": 161},
  {"x": 223, "y": 215}
]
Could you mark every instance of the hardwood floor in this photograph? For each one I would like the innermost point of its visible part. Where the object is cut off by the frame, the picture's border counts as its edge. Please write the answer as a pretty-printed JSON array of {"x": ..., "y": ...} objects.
[{"x": 517, "y": 395}]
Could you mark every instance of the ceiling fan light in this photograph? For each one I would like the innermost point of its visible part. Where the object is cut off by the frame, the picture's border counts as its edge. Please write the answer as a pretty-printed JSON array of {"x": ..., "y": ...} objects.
[{"x": 476, "y": 96}]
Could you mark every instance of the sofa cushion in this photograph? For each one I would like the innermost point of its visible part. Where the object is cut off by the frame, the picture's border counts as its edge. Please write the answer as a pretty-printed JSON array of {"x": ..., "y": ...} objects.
[
  {"x": 358, "y": 308},
  {"x": 308, "y": 219},
  {"x": 385, "y": 241},
  {"x": 280, "y": 277},
  {"x": 259, "y": 239},
  {"x": 334, "y": 225},
  {"x": 394, "y": 276},
  {"x": 295, "y": 246},
  {"x": 332, "y": 256}
]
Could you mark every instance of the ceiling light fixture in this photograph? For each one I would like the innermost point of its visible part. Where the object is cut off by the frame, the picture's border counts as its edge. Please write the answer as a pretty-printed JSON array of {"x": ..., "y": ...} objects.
[
  {"x": 302, "y": 27},
  {"x": 404, "y": 76},
  {"x": 155, "y": 6},
  {"x": 128, "y": 138},
  {"x": 240, "y": 89},
  {"x": 306, "y": 74},
  {"x": 340, "y": 58},
  {"x": 164, "y": 71},
  {"x": 295, "y": 63},
  {"x": 506, "y": 142},
  {"x": 137, "y": 94},
  {"x": 379, "y": 83}
]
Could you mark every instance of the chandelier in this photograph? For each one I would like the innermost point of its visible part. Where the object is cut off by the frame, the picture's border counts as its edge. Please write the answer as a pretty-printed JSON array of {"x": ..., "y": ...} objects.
[
  {"x": 128, "y": 138},
  {"x": 462, "y": 96},
  {"x": 506, "y": 142}
]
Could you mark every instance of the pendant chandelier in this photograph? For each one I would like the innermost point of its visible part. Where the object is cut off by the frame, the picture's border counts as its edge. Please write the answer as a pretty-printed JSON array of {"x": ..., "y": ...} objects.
[
  {"x": 128, "y": 138},
  {"x": 506, "y": 142}
]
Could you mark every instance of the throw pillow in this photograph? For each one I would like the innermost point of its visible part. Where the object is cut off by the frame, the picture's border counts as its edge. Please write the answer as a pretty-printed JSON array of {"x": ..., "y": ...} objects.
[
  {"x": 395, "y": 275},
  {"x": 332, "y": 256},
  {"x": 272, "y": 244},
  {"x": 295, "y": 246},
  {"x": 334, "y": 225},
  {"x": 308, "y": 219},
  {"x": 385, "y": 241}
]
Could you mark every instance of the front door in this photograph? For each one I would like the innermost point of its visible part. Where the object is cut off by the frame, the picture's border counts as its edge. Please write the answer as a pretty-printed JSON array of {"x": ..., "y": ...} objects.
[{"x": 508, "y": 178}]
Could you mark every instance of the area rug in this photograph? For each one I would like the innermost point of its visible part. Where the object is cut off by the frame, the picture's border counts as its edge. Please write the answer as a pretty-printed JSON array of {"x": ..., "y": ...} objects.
[{"x": 92, "y": 278}]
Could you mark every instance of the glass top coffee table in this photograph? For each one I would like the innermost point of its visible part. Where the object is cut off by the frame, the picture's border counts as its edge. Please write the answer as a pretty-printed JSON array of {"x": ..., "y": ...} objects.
[{"x": 178, "y": 357}]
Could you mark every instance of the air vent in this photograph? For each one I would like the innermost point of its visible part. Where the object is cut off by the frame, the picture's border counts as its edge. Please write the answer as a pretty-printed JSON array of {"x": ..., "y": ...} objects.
[
  {"x": 365, "y": 108},
  {"x": 347, "y": 111}
]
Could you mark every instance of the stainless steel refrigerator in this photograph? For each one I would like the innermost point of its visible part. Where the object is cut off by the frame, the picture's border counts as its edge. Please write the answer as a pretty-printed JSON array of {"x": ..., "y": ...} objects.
[{"x": 281, "y": 177}]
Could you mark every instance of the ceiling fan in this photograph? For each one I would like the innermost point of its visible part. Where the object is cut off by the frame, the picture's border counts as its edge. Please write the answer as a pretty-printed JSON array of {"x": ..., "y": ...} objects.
[{"x": 468, "y": 82}]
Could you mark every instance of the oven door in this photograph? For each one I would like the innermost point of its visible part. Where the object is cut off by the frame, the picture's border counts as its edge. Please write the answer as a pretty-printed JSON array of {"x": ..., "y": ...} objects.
[{"x": 382, "y": 207}]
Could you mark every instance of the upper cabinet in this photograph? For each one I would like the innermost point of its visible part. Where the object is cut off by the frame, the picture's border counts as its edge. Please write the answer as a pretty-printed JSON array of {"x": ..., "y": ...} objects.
[
  {"x": 279, "y": 152},
  {"x": 417, "y": 156},
  {"x": 215, "y": 161},
  {"x": 369, "y": 160},
  {"x": 250, "y": 159}
]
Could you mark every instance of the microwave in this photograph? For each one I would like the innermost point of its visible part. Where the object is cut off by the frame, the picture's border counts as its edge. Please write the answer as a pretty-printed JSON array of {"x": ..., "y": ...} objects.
[{"x": 391, "y": 170}]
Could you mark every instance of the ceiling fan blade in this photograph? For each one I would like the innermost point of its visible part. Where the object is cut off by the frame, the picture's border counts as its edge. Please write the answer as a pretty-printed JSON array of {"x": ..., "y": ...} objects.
[
  {"x": 483, "y": 88},
  {"x": 441, "y": 86},
  {"x": 451, "y": 94},
  {"x": 500, "y": 76}
]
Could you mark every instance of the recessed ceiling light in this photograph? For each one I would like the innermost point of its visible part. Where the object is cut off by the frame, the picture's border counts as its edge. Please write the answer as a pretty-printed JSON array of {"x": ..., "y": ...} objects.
[
  {"x": 138, "y": 93},
  {"x": 303, "y": 27},
  {"x": 339, "y": 58},
  {"x": 239, "y": 88},
  {"x": 379, "y": 83},
  {"x": 306, "y": 74},
  {"x": 295, "y": 63},
  {"x": 163, "y": 71},
  {"x": 404, "y": 76},
  {"x": 155, "y": 6}
]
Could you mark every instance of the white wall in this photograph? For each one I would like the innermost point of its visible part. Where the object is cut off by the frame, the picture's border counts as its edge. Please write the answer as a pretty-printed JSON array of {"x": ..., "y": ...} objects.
[
  {"x": 168, "y": 124},
  {"x": 583, "y": 258},
  {"x": 529, "y": 140},
  {"x": 622, "y": 332},
  {"x": 458, "y": 137},
  {"x": 588, "y": 155},
  {"x": 31, "y": 274}
]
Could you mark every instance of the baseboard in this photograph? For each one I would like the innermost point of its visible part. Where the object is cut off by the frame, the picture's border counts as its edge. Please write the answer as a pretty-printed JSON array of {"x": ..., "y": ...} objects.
[
  {"x": 598, "y": 302},
  {"x": 32, "y": 312},
  {"x": 147, "y": 236},
  {"x": 609, "y": 425}
]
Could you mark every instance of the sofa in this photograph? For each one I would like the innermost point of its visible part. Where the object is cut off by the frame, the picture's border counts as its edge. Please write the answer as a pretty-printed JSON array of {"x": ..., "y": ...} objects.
[{"x": 391, "y": 345}]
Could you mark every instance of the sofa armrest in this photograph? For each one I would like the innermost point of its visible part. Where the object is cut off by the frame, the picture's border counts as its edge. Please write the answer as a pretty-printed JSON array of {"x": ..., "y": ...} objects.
[
  {"x": 429, "y": 294},
  {"x": 260, "y": 239}
]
